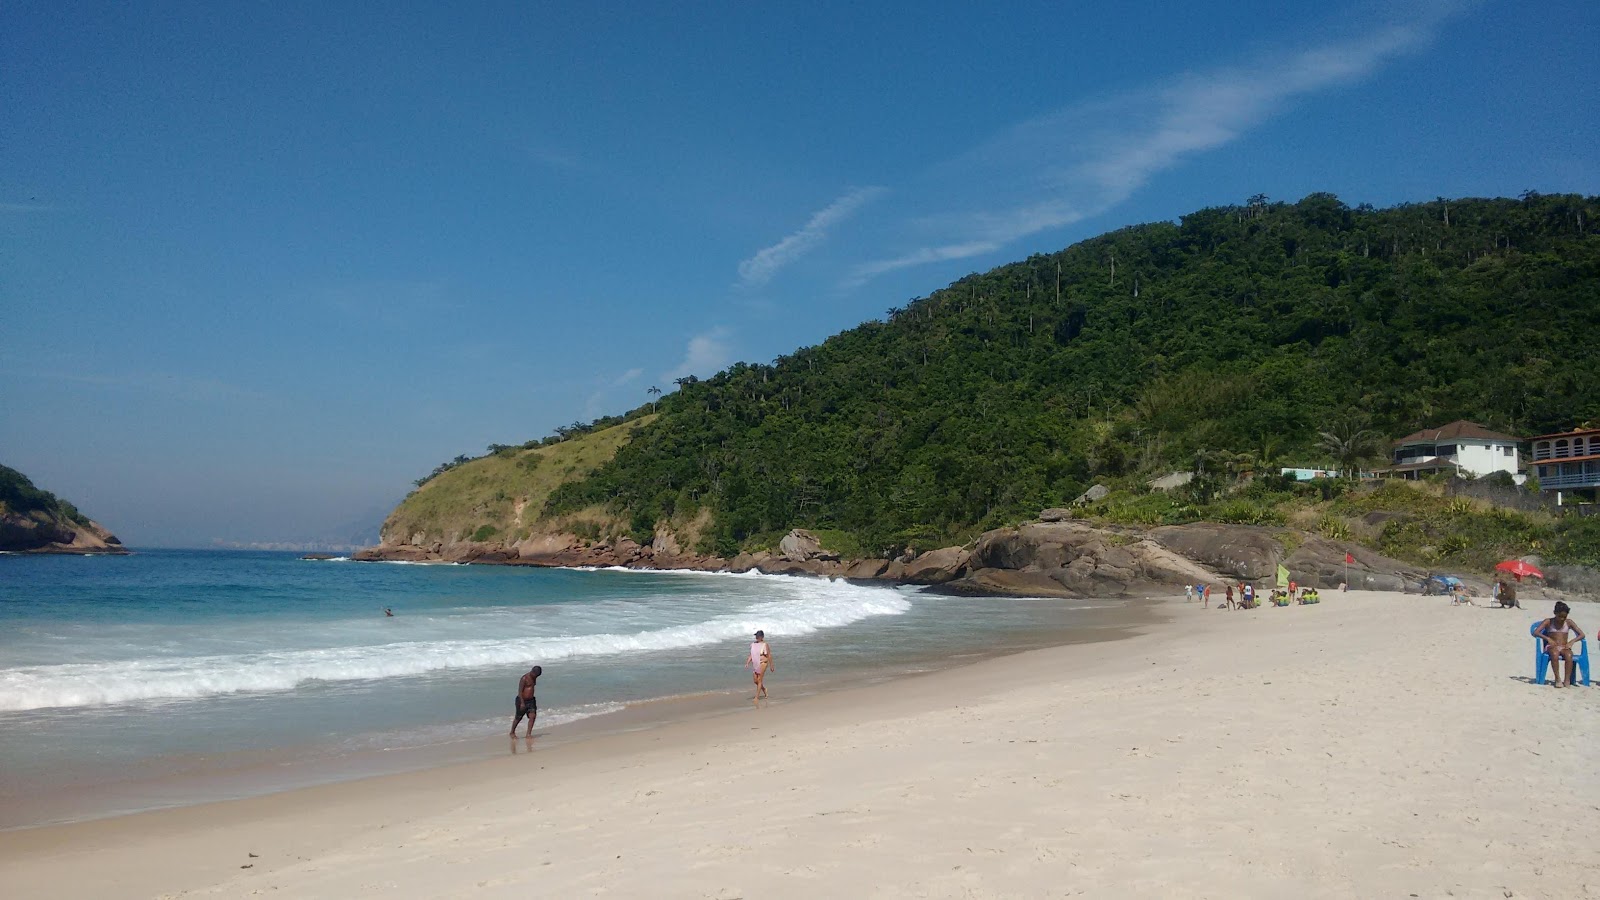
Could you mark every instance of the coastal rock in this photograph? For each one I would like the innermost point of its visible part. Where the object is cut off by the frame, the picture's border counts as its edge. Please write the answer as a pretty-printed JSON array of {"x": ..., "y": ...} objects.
[
  {"x": 936, "y": 566},
  {"x": 1320, "y": 562},
  {"x": 866, "y": 568},
  {"x": 665, "y": 543},
  {"x": 1246, "y": 552},
  {"x": 1005, "y": 582},
  {"x": 800, "y": 545},
  {"x": 1079, "y": 559},
  {"x": 1573, "y": 579},
  {"x": 1055, "y": 514},
  {"x": 40, "y": 532}
]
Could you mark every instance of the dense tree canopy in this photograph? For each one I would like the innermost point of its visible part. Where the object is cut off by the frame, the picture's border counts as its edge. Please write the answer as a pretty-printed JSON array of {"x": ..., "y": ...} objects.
[{"x": 1242, "y": 332}]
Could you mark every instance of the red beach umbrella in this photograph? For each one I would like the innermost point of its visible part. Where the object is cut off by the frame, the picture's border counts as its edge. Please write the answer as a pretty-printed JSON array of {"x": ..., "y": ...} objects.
[{"x": 1519, "y": 568}]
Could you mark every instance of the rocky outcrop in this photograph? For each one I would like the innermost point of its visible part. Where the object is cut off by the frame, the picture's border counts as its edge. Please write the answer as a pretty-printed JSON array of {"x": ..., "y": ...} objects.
[
  {"x": 1577, "y": 579},
  {"x": 800, "y": 545},
  {"x": 1074, "y": 559},
  {"x": 1056, "y": 558},
  {"x": 40, "y": 532},
  {"x": 1241, "y": 552}
]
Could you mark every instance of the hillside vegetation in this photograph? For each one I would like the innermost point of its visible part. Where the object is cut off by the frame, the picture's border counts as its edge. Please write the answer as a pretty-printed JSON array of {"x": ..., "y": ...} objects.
[
  {"x": 501, "y": 496},
  {"x": 18, "y": 496},
  {"x": 1240, "y": 330},
  {"x": 1224, "y": 343}
]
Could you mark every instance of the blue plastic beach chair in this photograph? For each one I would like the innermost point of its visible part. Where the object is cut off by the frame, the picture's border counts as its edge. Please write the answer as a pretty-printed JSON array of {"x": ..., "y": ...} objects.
[{"x": 1541, "y": 659}]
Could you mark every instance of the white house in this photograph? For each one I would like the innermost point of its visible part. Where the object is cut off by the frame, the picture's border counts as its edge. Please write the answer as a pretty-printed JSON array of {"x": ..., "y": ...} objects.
[{"x": 1460, "y": 448}]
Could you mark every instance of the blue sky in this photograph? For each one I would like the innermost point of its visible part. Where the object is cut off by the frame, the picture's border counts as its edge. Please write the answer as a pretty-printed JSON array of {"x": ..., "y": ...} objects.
[{"x": 261, "y": 265}]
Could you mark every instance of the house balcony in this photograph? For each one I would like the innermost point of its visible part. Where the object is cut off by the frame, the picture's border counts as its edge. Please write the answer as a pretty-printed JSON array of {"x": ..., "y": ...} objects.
[{"x": 1565, "y": 476}]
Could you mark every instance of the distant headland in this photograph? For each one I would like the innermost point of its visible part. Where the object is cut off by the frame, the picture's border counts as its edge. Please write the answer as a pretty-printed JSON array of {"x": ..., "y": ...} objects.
[{"x": 36, "y": 521}]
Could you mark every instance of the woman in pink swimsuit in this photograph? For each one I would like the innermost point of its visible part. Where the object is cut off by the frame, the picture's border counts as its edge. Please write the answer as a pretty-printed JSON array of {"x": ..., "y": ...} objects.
[
  {"x": 760, "y": 662},
  {"x": 1560, "y": 634}
]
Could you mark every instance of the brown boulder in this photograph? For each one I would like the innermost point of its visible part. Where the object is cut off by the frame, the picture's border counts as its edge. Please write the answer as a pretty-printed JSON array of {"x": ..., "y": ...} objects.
[
  {"x": 866, "y": 568},
  {"x": 936, "y": 566},
  {"x": 1247, "y": 552},
  {"x": 1006, "y": 582}
]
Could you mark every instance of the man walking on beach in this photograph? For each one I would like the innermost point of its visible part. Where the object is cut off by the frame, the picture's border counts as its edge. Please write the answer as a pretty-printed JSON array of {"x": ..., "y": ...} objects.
[
  {"x": 760, "y": 662},
  {"x": 527, "y": 704}
]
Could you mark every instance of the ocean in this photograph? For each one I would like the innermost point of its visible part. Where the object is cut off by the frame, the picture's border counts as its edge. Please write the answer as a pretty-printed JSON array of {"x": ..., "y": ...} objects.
[{"x": 173, "y": 677}]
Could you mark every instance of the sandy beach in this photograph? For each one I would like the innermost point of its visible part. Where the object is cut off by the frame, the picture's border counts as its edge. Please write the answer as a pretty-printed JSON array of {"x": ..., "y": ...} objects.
[{"x": 1373, "y": 745}]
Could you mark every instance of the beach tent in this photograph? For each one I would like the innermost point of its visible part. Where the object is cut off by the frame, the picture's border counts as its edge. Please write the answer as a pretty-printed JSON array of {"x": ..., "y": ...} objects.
[{"x": 1439, "y": 584}]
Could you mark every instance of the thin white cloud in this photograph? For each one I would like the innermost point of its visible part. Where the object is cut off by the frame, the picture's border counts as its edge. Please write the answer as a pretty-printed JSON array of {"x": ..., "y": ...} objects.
[
  {"x": 705, "y": 355},
  {"x": 1069, "y": 165},
  {"x": 603, "y": 396},
  {"x": 759, "y": 269}
]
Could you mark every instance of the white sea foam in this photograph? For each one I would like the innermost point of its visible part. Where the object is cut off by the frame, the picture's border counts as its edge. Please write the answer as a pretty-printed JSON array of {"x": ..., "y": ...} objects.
[{"x": 805, "y": 607}]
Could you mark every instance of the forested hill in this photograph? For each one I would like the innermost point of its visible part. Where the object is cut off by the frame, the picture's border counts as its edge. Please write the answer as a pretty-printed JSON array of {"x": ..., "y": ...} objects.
[{"x": 1237, "y": 333}]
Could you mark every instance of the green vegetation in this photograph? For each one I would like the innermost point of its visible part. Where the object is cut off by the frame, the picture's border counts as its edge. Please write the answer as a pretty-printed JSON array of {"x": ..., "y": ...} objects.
[
  {"x": 501, "y": 495},
  {"x": 1238, "y": 339},
  {"x": 18, "y": 495}
]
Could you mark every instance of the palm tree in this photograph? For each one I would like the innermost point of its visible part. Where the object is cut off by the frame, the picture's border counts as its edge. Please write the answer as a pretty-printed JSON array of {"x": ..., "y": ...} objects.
[
  {"x": 653, "y": 391},
  {"x": 1350, "y": 443}
]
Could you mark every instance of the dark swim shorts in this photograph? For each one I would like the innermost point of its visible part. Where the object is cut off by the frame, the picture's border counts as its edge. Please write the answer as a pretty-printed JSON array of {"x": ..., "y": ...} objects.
[{"x": 527, "y": 706}]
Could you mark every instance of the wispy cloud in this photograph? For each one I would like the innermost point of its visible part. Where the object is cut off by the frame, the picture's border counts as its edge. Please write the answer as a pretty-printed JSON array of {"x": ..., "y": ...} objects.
[
  {"x": 603, "y": 398},
  {"x": 759, "y": 269},
  {"x": 706, "y": 354},
  {"x": 554, "y": 157},
  {"x": 1064, "y": 167}
]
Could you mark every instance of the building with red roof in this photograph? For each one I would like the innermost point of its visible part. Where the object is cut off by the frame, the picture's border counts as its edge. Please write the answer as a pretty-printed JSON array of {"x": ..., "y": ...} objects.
[{"x": 1459, "y": 448}]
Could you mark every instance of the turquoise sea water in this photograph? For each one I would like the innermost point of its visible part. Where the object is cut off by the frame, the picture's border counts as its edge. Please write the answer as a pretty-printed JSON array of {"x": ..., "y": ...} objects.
[{"x": 172, "y": 677}]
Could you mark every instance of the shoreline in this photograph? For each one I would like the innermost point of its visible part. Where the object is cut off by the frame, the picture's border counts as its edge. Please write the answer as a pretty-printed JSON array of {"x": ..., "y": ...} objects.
[
  {"x": 1258, "y": 753},
  {"x": 202, "y": 777}
]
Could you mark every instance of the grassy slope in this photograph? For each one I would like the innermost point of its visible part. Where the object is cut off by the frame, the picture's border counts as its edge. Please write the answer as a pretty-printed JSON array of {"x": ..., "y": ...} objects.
[
  {"x": 1421, "y": 525},
  {"x": 469, "y": 500}
]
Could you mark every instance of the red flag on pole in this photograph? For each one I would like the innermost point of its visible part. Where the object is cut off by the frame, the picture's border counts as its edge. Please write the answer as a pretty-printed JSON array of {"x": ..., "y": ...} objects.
[{"x": 1348, "y": 559}]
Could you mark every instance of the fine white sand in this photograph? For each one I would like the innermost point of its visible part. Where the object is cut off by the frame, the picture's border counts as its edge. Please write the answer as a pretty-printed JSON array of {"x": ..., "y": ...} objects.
[{"x": 1376, "y": 745}]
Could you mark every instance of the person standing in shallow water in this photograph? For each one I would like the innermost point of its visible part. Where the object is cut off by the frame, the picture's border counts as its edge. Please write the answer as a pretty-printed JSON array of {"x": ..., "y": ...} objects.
[
  {"x": 527, "y": 704},
  {"x": 760, "y": 662}
]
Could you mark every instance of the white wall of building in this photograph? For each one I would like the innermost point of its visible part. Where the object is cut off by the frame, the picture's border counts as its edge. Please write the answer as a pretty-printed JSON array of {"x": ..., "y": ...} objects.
[{"x": 1482, "y": 458}]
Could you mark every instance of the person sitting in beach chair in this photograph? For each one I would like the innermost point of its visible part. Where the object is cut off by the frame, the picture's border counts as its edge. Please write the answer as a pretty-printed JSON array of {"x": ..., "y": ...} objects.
[{"x": 1560, "y": 634}]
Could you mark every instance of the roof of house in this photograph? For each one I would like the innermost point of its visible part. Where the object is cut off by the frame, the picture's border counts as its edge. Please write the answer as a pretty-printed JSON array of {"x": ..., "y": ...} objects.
[
  {"x": 1457, "y": 430},
  {"x": 1562, "y": 434},
  {"x": 1428, "y": 465}
]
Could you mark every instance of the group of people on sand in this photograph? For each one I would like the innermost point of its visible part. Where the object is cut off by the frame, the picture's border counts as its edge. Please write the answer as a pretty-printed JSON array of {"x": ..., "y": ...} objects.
[
  {"x": 759, "y": 661},
  {"x": 1248, "y": 597}
]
